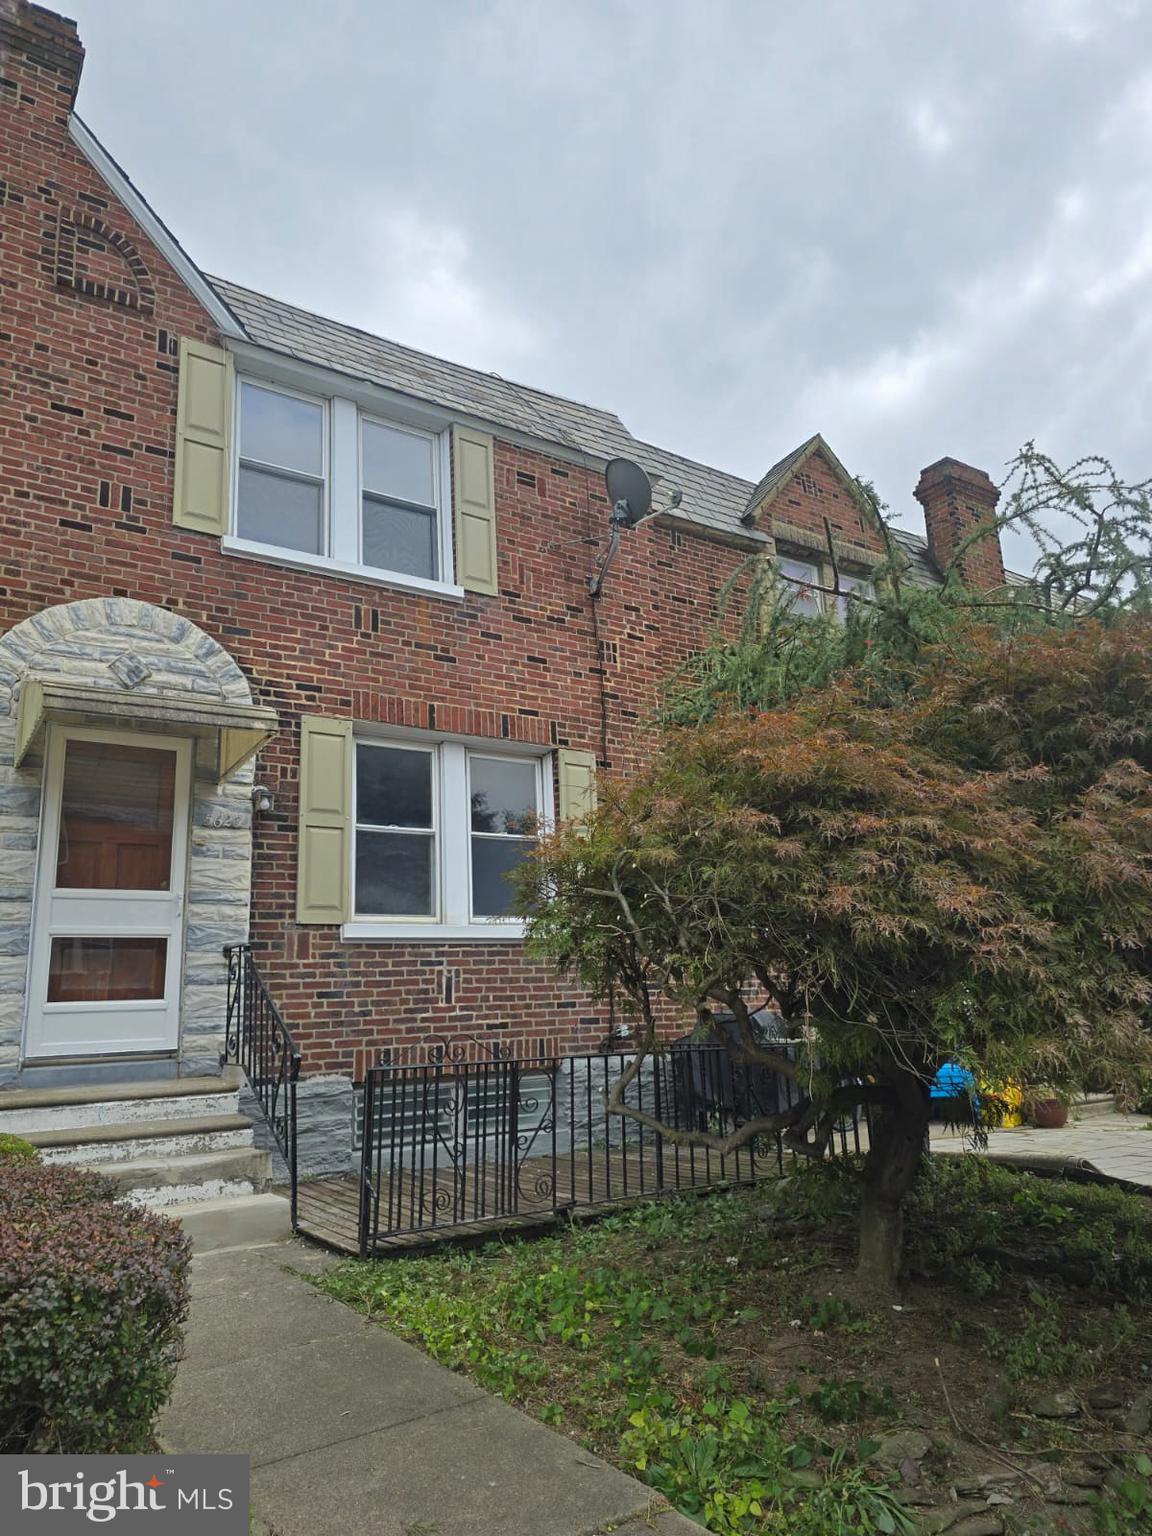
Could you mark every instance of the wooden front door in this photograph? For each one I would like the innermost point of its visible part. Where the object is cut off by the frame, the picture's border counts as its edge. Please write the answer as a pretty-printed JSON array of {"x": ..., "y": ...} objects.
[{"x": 108, "y": 933}]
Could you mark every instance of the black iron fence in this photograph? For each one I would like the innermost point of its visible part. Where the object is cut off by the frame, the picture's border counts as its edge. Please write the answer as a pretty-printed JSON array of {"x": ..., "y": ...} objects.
[
  {"x": 257, "y": 1039},
  {"x": 460, "y": 1144}
]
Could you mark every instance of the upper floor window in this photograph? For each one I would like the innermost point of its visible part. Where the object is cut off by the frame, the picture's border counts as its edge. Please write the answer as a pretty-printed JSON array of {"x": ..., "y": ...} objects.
[
  {"x": 852, "y": 587},
  {"x": 281, "y": 485},
  {"x": 400, "y": 495},
  {"x": 318, "y": 479},
  {"x": 800, "y": 582}
]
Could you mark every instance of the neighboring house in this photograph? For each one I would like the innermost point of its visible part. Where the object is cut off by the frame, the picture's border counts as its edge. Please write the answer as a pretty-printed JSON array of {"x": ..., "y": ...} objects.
[{"x": 296, "y": 641}]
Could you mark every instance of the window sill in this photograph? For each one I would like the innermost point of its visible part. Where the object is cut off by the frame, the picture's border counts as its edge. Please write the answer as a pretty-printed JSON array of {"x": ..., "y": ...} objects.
[
  {"x": 496, "y": 932},
  {"x": 302, "y": 562}
]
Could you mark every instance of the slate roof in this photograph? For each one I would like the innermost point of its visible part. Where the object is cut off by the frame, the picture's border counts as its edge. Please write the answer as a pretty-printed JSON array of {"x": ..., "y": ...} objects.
[
  {"x": 312, "y": 338},
  {"x": 712, "y": 498}
]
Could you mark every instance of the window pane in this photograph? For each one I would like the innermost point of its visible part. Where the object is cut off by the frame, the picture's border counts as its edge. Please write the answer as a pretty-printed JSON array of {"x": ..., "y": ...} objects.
[
  {"x": 102, "y": 970},
  {"x": 116, "y": 818},
  {"x": 492, "y": 858},
  {"x": 393, "y": 787},
  {"x": 398, "y": 464},
  {"x": 394, "y": 874},
  {"x": 398, "y": 539},
  {"x": 799, "y": 598},
  {"x": 279, "y": 429},
  {"x": 850, "y": 587},
  {"x": 276, "y": 510},
  {"x": 503, "y": 795}
]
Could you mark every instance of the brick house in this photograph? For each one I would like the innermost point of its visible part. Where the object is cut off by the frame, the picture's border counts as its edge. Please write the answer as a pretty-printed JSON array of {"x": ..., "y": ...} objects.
[{"x": 296, "y": 638}]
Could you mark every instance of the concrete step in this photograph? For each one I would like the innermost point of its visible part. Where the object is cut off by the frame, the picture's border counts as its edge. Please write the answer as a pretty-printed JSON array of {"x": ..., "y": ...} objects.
[
  {"x": 149, "y": 1140},
  {"x": 193, "y": 1178},
  {"x": 245, "y": 1221},
  {"x": 56, "y": 1109}
]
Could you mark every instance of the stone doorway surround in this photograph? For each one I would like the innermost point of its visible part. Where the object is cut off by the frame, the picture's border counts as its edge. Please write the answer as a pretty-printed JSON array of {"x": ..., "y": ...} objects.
[{"x": 120, "y": 643}]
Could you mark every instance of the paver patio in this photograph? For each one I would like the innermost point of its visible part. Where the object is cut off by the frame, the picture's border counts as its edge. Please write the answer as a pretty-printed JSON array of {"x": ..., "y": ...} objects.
[{"x": 1119, "y": 1146}]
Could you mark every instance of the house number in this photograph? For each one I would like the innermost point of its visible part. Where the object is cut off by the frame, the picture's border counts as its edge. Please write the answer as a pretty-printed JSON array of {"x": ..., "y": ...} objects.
[{"x": 219, "y": 818}]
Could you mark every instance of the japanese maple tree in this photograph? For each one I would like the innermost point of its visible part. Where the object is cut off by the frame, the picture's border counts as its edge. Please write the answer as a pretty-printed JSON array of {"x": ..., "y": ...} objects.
[{"x": 957, "y": 867}]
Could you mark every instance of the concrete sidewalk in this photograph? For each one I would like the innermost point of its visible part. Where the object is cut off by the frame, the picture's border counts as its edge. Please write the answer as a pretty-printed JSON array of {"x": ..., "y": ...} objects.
[{"x": 352, "y": 1431}]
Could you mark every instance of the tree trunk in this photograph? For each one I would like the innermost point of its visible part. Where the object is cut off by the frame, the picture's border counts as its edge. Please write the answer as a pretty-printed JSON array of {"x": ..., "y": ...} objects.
[{"x": 894, "y": 1160}]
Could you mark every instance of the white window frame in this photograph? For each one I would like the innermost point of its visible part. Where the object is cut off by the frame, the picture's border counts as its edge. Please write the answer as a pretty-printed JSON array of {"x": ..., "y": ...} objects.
[
  {"x": 280, "y": 469},
  {"x": 497, "y": 757},
  {"x": 343, "y": 496},
  {"x": 440, "y": 493},
  {"x": 793, "y": 583},
  {"x": 452, "y": 816},
  {"x": 862, "y": 587},
  {"x": 373, "y": 826}
]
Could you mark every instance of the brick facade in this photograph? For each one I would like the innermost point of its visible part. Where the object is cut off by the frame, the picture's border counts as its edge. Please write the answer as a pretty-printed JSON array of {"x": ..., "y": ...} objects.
[
  {"x": 91, "y": 311},
  {"x": 87, "y": 413}
]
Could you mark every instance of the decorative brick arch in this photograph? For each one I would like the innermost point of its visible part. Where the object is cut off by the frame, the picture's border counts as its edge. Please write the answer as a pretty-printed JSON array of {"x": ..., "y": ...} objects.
[
  {"x": 120, "y": 643},
  {"x": 77, "y": 225}
]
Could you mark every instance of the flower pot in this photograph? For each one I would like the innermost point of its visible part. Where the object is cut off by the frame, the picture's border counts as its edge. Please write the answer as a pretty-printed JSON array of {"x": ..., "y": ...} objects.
[{"x": 1048, "y": 1114}]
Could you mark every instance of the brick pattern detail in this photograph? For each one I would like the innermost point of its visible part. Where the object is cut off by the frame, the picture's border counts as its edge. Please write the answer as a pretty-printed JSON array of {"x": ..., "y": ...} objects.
[
  {"x": 796, "y": 516},
  {"x": 100, "y": 263},
  {"x": 958, "y": 500}
]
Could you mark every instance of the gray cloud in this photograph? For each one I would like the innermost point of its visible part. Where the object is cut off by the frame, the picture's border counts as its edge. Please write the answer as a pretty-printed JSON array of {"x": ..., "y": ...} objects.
[{"x": 921, "y": 229}]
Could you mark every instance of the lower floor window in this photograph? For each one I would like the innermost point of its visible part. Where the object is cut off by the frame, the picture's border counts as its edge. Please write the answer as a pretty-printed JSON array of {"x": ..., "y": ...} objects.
[{"x": 440, "y": 827}]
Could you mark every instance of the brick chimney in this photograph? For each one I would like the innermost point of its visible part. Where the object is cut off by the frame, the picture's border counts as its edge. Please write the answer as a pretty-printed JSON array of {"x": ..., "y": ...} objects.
[
  {"x": 957, "y": 499},
  {"x": 41, "y": 57}
]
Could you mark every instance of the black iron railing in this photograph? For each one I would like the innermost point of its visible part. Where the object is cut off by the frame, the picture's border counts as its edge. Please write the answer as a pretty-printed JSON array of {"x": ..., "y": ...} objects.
[
  {"x": 257, "y": 1039},
  {"x": 461, "y": 1144}
]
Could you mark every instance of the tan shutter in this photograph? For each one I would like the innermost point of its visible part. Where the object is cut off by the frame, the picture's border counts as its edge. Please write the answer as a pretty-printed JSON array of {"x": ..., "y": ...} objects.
[
  {"x": 576, "y": 773},
  {"x": 475, "y": 498},
  {"x": 203, "y": 438},
  {"x": 323, "y": 868}
]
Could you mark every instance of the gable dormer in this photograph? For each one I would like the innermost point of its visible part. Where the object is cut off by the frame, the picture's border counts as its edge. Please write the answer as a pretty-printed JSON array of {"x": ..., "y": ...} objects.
[{"x": 813, "y": 509}]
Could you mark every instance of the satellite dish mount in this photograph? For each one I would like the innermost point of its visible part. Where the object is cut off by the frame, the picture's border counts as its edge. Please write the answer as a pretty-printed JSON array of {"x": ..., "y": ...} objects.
[{"x": 630, "y": 493}]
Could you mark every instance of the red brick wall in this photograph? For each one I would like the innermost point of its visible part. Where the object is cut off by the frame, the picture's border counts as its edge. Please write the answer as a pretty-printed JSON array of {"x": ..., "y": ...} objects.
[
  {"x": 87, "y": 409},
  {"x": 958, "y": 500},
  {"x": 815, "y": 500}
]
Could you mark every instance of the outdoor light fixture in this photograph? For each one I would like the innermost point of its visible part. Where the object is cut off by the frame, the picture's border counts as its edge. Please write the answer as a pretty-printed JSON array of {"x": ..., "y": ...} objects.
[{"x": 262, "y": 801}]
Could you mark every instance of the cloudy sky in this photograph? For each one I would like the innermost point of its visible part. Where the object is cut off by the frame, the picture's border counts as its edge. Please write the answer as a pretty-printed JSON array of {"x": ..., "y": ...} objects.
[{"x": 919, "y": 227}]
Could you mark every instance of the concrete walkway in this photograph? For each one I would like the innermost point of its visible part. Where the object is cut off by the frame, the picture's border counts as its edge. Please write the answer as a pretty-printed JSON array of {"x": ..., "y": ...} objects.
[
  {"x": 1117, "y": 1145},
  {"x": 352, "y": 1431}
]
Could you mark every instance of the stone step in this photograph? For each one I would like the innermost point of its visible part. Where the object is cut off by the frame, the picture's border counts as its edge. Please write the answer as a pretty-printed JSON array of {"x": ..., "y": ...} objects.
[
  {"x": 1098, "y": 1106},
  {"x": 148, "y": 1140},
  {"x": 245, "y": 1221},
  {"x": 192, "y": 1178},
  {"x": 58, "y": 1109}
]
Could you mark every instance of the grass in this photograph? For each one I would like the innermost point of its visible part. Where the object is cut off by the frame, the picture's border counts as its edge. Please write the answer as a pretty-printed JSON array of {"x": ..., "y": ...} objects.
[{"x": 713, "y": 1348}]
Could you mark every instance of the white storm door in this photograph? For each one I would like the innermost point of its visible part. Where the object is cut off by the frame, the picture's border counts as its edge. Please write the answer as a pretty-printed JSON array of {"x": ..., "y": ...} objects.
[{"x": 108, "y": 932}]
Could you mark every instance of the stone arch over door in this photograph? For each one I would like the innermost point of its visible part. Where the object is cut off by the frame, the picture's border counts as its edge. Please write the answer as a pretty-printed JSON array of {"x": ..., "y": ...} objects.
[{"x": 122, "y": 644}]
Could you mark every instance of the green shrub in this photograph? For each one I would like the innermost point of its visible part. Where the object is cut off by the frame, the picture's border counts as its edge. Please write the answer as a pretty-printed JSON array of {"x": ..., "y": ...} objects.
[
  {"x": 15, "y": 1150},
  {"x": 92, "y": 1299}
]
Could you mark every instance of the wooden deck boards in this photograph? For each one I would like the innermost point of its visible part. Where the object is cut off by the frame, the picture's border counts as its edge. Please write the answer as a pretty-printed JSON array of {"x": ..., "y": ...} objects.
[{"x": 422, "y": 1207}]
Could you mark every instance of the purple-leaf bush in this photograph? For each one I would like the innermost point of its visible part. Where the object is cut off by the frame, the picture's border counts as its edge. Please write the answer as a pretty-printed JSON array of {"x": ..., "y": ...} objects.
[{"x": 93, "y": 1297}]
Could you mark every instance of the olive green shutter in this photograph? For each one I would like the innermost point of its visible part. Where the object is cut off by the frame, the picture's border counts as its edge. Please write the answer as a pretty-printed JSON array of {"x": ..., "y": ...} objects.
[
  {"x": 474, "y": 483},
  {"x": 203, "y": 438},
  {"x": 323, "y": 869},
  {"x": 576, "y": 773}
]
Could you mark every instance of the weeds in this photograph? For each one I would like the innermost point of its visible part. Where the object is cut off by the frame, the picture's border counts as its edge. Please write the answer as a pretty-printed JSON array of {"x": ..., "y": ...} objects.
[{"x": 697, "y": 1344}]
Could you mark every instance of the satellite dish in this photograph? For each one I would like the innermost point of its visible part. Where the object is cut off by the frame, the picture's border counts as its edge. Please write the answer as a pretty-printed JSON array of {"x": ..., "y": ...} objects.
[{"x": 629, "y": 491}]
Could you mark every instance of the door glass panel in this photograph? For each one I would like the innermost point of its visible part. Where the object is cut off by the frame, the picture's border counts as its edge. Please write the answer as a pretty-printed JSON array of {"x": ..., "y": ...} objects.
[
  {"x": 116, "y": 819},
  {"x": 106, "y": 970}
]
